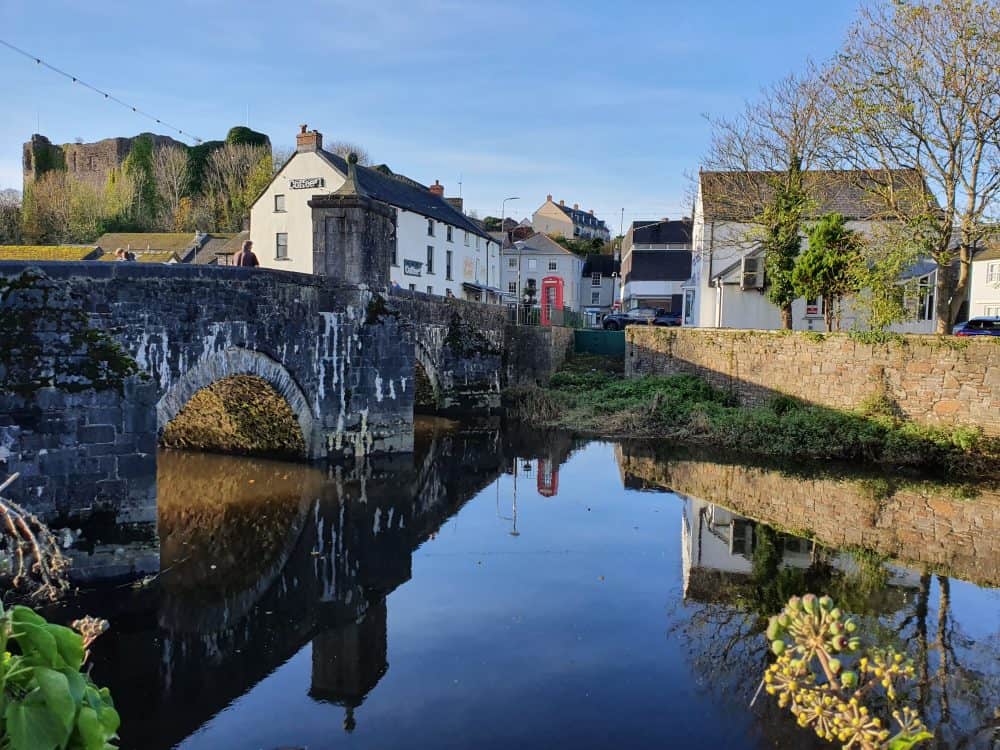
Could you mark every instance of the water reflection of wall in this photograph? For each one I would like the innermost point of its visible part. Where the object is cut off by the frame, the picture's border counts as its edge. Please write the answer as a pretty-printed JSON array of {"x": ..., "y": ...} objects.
[
  {"x": 261, "y": 558},
  {"x": 919, "y": 523}
]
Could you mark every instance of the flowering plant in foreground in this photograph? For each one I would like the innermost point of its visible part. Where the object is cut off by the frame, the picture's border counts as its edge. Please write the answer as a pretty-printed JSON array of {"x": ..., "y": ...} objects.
[{"x": 826, "y": 680}]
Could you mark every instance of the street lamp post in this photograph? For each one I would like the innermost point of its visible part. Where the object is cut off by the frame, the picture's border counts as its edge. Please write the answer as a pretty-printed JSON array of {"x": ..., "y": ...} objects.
[
  {"x": 503, "y": 215},
  {"x": 517, "y": 296}
]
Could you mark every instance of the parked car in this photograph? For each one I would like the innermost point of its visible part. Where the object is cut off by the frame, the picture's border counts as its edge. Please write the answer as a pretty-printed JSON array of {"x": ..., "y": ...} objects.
[
  {"x": 980, "y": 327},
  {"x": 667, "y": 319},
  {"x": 638, "y": 316}
]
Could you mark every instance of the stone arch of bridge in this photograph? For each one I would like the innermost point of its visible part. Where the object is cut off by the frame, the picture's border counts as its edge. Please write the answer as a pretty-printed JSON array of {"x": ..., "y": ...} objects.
[
  {"x": 238, "y": 361},
  {"x": 423, "y": 358}
]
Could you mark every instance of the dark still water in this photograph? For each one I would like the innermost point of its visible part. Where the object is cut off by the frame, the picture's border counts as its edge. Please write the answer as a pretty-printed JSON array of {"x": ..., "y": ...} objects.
[{"x": 503, "y": 590}]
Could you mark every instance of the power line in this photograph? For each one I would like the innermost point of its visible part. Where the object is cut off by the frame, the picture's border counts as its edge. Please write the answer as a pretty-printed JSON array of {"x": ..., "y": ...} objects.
[{"x": 105, "y": 94}]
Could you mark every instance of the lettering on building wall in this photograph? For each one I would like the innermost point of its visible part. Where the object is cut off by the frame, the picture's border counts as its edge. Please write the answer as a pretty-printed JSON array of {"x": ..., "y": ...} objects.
[
  {"x": 412, "y": 268},
  {"x": 468, "y": 269},
  {"x": 303, "y": 183}
]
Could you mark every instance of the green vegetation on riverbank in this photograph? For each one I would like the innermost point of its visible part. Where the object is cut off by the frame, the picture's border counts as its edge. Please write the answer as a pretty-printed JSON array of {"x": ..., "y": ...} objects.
[{"x": 589, "y": 397}]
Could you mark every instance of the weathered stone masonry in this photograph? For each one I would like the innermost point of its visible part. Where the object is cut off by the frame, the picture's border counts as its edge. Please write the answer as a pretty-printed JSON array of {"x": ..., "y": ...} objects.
[
  {"x": 934, "y": 380},
  {"x": 79, "y": 450}
]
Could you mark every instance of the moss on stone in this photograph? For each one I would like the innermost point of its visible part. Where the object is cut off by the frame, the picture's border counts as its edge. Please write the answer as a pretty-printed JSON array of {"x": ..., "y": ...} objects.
[{"x": 46, "y": 341}]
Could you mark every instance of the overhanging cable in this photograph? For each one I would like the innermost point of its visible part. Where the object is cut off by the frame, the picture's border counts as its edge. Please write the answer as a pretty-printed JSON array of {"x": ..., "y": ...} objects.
[{"x": 105, "y": 94}]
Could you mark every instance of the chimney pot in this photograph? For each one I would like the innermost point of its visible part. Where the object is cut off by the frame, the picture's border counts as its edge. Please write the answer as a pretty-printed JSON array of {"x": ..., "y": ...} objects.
[
  {"x": 665, "y": 219},
  {"x": 549, "y": 197},
  {"x": 576, "y": 206},
  {"x": 591, "y": 212},
  {"x": 562, "y": 202}
]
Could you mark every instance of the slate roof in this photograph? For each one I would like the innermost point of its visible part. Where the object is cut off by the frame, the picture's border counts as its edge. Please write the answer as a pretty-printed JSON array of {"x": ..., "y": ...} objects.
[
  {"x": 661, "y": 232},
  {"x": 991, "y": 252},
  {"x": 659, "y": 265},
  {"x": 403, "y": 192},
  {"x": 541, "y": 244},
  {"x": 583, "y": 218},
  {"x": 602, "y": 264},
  {"x": 181, "y": 243},
  {"x": 740, "y": 196}
]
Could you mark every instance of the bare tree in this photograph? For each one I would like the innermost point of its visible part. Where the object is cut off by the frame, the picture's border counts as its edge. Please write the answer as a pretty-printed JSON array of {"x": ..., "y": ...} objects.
[
  {"x": 345, "y": 148},
  {"x": 279, "y": 156},
  {"x": 172, "y": 171},
  {"x": 918, "y": 88},
  {"x": 10, "y": 217},
  {"x": 758, "y": 163},
  {"x": 233, "y": 173}
]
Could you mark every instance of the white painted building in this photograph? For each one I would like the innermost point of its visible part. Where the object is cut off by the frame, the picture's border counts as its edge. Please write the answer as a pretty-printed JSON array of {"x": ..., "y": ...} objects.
[
  {"x": 531, "y": 260},
  {"x": 726, "y": 289},
  {"x": 439, "y": 250},
  {"x": 984, "y": 282}
]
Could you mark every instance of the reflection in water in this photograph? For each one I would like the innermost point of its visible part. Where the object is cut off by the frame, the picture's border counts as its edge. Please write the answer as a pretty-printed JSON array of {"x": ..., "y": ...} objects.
[{"x": 542, "y": 594}]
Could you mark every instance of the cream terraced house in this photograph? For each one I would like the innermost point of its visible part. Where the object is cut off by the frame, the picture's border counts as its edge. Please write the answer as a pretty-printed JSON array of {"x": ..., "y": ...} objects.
[
  {"x": 439, "y": 250},
  {"x": 557, "y": 218}
]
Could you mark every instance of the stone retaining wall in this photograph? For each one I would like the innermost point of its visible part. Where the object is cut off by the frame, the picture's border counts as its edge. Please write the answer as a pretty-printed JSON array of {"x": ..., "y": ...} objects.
[
  {"x": 920, "y": 524},
  {"x": 932, "y": 379}
]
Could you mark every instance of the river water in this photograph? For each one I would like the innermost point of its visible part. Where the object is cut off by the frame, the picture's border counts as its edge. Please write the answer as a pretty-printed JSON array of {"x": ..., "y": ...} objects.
[{"x": 506, "y": 589}]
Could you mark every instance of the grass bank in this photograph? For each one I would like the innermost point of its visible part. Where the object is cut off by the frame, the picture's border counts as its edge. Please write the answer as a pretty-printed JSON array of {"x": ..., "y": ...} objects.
[{"x": 590, "y": 397}]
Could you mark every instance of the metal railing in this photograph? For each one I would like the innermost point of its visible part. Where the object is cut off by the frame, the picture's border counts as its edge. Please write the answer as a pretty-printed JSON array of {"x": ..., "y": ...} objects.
[{"x": 524, "y": 315}]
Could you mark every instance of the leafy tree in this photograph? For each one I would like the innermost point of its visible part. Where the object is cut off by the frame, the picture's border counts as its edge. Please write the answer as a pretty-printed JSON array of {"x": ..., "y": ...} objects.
[
  {"x": 831, "y": 266},
  {"x": 492, "y": 224},
  {"x": 782, "y": 223},
  {"x": 139, "y": 169},
  {"x": 916, "y": 88},
  {"x": 581, "y": 246}
]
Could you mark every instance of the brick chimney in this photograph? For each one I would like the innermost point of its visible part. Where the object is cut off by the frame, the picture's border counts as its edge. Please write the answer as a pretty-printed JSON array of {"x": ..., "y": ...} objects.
[
  {"x": 437, "y": 188},
  {"x": 549, "y": 197},
  {"x": 562, "y": 202},
  {"x": 576, "y": 206},
  {"x": 308, "y": 140},
  {"x": 591, "y": 212},
  {"x": 457, "y": 203}
]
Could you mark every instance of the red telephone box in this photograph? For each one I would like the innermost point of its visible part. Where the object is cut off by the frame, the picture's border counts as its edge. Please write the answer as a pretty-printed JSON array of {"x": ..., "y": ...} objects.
[
  {"x": 547, "y": 479},
  {"x": 552, "y": 297}
]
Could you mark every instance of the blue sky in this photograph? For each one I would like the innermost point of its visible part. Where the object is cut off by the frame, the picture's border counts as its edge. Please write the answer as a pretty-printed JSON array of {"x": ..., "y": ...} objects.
[{"x": 598, "y": 103}]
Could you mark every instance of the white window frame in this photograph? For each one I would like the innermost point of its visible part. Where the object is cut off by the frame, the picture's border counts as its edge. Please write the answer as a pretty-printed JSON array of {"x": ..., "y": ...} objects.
[
  {"x": 532, "y": 264},
  {"x": 278, "y": 245},
  {"x": 447, "y": 264},
  {"x": 512, "y": 287},
  {"x": 511, "y": 262},
  {"x": 279, "y": 203},
  {"x": 553, "y": 265},
  {"x": 595, "y": 298},
  {"x": 430, "y": 227},
  {"x": 430, "y": 259},
  {"x": 595, "y": 278},
  {"x": 466, "y": 239},
  {"x": 448, "y": 233},
  {"x": 993, "y": 272}
]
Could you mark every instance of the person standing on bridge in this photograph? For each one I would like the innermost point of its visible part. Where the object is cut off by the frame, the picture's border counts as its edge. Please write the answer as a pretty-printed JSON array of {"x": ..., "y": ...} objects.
[{"x": 245, "y": 257}]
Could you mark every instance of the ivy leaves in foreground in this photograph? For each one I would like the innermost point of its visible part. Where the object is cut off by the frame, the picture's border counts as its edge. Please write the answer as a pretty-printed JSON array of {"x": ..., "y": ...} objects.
[{"x": 46, "y": 702}]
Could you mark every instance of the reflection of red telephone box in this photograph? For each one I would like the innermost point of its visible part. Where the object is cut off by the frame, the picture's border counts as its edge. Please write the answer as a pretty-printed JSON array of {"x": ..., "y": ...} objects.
[
  {"x": 552, "y": 297},
  {"x": 547, "y": 478}
]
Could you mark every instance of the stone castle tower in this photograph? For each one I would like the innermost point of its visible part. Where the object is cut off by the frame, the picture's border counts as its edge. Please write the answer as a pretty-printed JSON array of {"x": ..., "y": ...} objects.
[{"x": 87, "y": 162}]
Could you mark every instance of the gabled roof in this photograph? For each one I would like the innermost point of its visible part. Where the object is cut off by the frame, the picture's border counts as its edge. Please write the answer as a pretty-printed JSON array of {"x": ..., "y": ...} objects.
[
  {"x": 661, "y": 232},
  {"x": 178, "y": 242},
  {"x": 583, "y": 218},
  {"x": 659, "y": 265},
  {"x": 402, "y": 192},
  {"x": 741, "y": 196},
  {"x": 540, "y": 244}
]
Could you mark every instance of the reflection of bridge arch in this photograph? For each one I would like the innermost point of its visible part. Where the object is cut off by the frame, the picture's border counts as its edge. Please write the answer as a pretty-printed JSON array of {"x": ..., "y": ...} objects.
[{"x": 238, "y": 361}]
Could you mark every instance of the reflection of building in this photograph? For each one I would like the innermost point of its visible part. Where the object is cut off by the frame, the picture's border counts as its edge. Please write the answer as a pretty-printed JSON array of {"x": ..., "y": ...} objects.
[{"x": 717, "y": 549}]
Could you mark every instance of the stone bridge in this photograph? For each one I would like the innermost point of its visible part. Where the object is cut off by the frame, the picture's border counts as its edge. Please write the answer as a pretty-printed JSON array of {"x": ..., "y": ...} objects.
[{"x": 97, "y": 358}]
